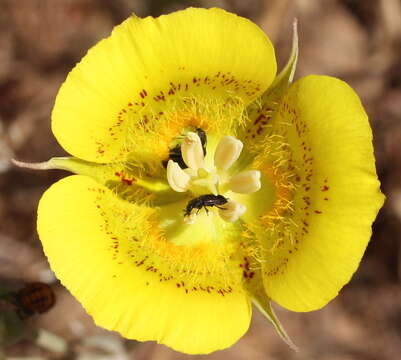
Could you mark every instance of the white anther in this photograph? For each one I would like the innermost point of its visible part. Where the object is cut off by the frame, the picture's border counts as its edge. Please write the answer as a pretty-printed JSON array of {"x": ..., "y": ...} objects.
[
  {"x": 227, "y": 152},
  {"x": 192, "y": 151},
  {"x": 231, "y": 211},
  {"x": 177, "y": 178},
  {"x": 246, "y": 182}
]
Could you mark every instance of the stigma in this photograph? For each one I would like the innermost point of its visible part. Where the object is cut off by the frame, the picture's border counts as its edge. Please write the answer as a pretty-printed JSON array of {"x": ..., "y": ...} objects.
[{"x": 212, "y": 184}]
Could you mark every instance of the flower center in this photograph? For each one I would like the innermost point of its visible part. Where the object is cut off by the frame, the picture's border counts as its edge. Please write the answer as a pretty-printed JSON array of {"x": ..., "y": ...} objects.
[{"x": 210, "y": 182}]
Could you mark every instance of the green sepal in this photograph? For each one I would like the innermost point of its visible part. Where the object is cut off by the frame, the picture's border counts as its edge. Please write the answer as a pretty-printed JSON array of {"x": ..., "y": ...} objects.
[
  {"x": 270, "y": 100},
  {"x": 99, "y": 172},
  {"x": 286, "y": 76},
  {"x": 261, "y": 111},
  {"x": 260, "y": 299},
  {"x": 128, "y": 181},
  {"x": 265, "y": 307}
]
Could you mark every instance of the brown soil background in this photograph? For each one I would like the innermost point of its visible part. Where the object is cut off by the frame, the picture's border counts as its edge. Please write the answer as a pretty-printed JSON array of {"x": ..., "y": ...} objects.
[{"x": 356, "y": 40}]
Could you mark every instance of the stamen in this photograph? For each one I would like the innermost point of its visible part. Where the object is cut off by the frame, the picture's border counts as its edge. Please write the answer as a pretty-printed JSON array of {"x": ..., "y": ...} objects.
[
  {"x": 177, "y": 178},
  {"x": 206, "y": 184},
  {"x": 231, "y": 211},
  {"x": 192, "y": 151},
  {"x": 227, "y": 152},
  {"x": 246, "y": 182}
]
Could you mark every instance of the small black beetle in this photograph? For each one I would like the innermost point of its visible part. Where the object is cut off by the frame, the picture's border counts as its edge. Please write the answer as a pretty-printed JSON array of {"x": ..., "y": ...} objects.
[{"x": 203, "y": 201}]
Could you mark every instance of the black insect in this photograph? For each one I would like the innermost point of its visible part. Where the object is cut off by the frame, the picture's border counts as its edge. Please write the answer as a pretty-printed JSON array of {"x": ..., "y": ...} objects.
[
  {"x": 35, "y": 298},
  {"x": 203, "y": 201},
  {"x": 203, "y": 139},
  {"x": 175, "y": 153}
]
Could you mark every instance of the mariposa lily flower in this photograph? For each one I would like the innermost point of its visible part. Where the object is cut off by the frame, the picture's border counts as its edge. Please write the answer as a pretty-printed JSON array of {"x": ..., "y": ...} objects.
[{"x": 204, "y": 182}]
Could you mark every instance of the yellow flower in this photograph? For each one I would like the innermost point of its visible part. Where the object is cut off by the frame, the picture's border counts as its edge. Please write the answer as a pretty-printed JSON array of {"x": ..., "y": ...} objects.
[{"x": 204, "y": 182}]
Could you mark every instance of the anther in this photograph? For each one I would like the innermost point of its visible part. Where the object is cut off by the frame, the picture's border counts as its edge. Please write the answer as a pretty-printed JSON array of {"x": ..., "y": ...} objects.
[
  {"x": 227, "y": 152},
  {"x": 246, "y": 182},
  {"x": 192, "y": 151},
  {"x": 177, "y": 178},
  {"x": 231, "y": 211}
]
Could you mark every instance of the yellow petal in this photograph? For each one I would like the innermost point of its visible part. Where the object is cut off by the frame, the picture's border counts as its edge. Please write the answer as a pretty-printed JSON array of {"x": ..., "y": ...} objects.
[
  {"x": 146, "y": 72},
  {"x": 113, "y": 258},
  {"x": 316, "y": 243}
]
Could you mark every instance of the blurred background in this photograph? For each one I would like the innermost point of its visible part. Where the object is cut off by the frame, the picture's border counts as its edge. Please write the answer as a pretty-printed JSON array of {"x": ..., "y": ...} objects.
[{"x": 358, "y": 41}]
